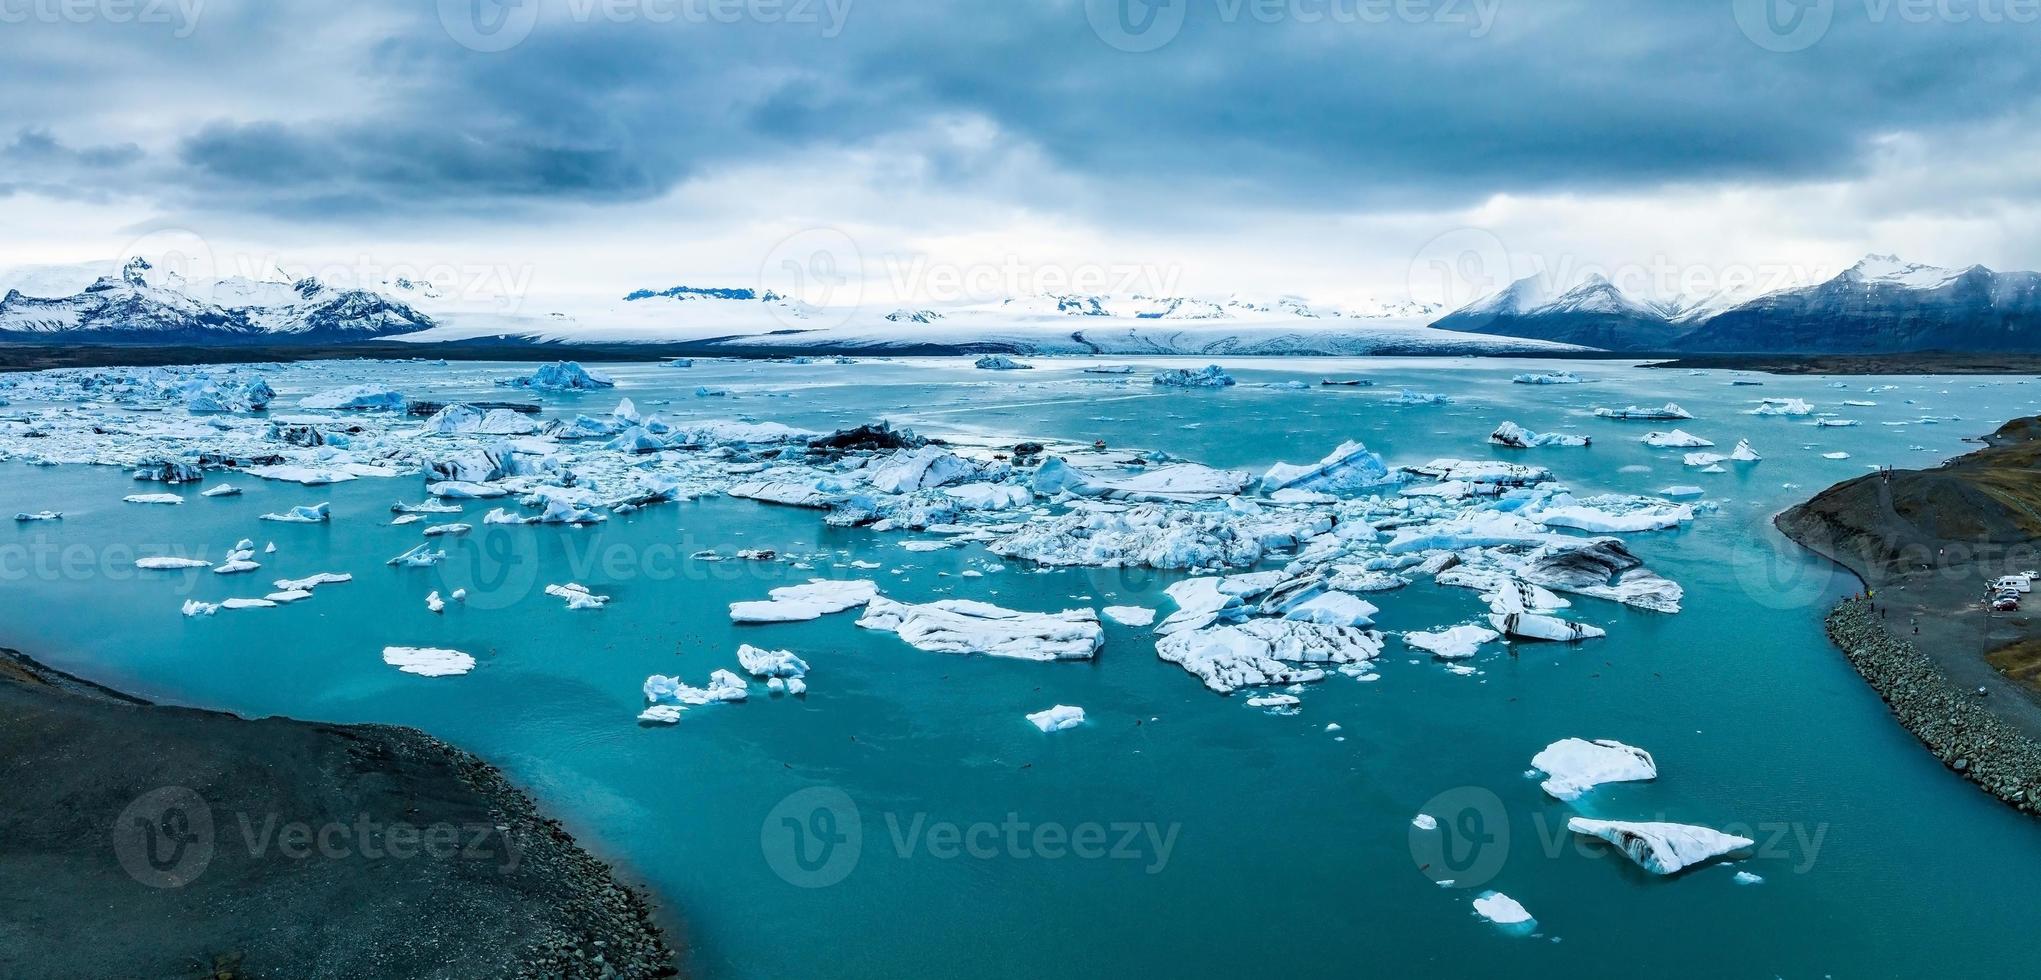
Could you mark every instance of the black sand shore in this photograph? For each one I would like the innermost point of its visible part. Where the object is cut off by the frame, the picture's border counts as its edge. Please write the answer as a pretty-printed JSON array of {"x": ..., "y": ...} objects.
[
  {"x": 1925, "y": 543},
  {"x": 139, "y": 840}
]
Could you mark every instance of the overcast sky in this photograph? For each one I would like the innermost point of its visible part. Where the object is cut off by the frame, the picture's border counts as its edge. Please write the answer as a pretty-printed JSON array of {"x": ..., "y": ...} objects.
[{"x": 1336, "y": 149}]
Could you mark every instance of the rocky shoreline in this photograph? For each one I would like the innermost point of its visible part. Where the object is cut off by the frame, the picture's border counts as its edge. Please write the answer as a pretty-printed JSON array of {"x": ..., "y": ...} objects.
[
  {"x": 295, "y": 849},
  {"x": 1954, "y": 724}
]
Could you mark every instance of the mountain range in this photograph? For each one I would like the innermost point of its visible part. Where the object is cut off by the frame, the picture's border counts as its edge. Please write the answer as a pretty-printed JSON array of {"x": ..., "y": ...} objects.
[{"x": 1881, "y": 304}]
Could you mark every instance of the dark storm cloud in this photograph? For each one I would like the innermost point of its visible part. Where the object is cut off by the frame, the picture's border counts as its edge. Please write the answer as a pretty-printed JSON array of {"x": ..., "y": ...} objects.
[{"x": 1333, "y": 103}]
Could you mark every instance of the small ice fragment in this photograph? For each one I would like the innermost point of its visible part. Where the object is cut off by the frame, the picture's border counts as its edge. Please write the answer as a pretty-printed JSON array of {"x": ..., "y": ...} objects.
[{"x": 1058, "y": 718}]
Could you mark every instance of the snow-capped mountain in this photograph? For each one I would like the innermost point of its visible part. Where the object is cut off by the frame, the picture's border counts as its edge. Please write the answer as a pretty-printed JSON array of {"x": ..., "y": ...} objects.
[
  {"x": 1592, "y": 314},
  {"x": 1884, "y": 304},
  {"x": 144, "y": 304},
  {"x": 1881, "y": 304}
]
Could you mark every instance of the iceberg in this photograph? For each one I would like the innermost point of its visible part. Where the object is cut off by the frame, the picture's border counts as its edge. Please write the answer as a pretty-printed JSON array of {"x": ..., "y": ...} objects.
[
  {"x": 428, "y": 661},
  {"x": 1457, "y": 643},
  {"x": 1532, "y": 626},
  {"x": 303, "y": 514},
  {"x": 770, "y": 664},
  {"x": 968, "y": 626},
  {"x": 1504, "y": 911},
  {"x": 1058, "y": 718},
  {"x": 577, "y": 596},
  {"x": 1130, "y": 615},
  {"x": 153, "y": 498},
  {"x": 1574, "y": 766},
  {"x": 1211, "y": 376},
  {"x": 1349, "y": 468},
  {"x": 1661, "y": 848},
  {"x": 800, "y": 603},
  {"x": 421, "y": 556},
  {"x": 166, "y": 563},
  {"x": 41, "y": 515},
  {"x": 1000, "y": 362},
  {"x": 1782, "y": 406},
  {"x": 1555, "y": 378},
  {"x": 1669, "y": 413},
  {"x": 311, "y": 582},
  {"x": 1743, "y": 453},
  {"x": 723, "y": 686},
  {"x": 223, "y": 490},
  {"x": 1676, "y": 439},
  {"x": 1409, "y": 397},
  {"x": 561, "y": 376},
  {"x": 445, "y": 530},
  {"x": 1253, "y": 654},
  {"x": 1513, "y": 436},
  {"x": 1682, "y": 492}
]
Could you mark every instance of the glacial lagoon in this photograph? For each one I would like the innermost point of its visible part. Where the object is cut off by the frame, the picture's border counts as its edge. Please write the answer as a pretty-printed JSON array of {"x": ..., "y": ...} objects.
[{"x": 904, "y": 818}]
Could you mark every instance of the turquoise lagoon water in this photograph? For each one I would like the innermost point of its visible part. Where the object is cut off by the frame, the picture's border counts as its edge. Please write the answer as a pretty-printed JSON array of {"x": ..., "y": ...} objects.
[{"x": 1265, "y": 844}]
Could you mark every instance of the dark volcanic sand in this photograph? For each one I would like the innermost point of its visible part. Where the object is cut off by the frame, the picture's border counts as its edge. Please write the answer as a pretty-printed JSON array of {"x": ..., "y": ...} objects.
[
  {"x": 125, "y": 851},
  {"x": 1925, "y": 543}
]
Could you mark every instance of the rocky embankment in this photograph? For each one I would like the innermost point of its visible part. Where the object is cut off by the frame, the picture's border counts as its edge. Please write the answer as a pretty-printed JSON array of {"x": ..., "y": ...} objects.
[
  {"x": 1955, "y": 724},
  {"x": 146, "y": 840}
]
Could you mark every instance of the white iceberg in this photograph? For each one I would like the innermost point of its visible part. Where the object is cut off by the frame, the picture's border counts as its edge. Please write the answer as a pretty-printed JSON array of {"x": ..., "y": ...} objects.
[
  {"x": 303, "y": 514},
  {"x": 1205, "y": 377},
  {"x": 1457, "y": 643},
  {"x": 1058, "y": 718},
  {"x": 1676, "y": 439},
  {"x": 1669, "y": 413},
  {"x": 799, "y": 603},
  {"x": 770, "y": 664},
  {"x": 1743, "y": 453},
  {"x": 1573, "y": 766},
  {"x": 1349, "y": 468},
  {"x": 1504, "y": 911},
  {"x": 428, "y": 661},
  {"x": 359, "y": 398},
  {"x": 1782, "y": 406},
  {"x": 1000, "y": 362},
  {"x": 561, "y": 376},
  {"x": 1130, "y": 615},
  {"x": 1661, "y": 848},
  {"x": 577, "y": 596},
  {"x": 1510, "y": 435},
  {"x": 166, "y": 563},
  {"x": 967, "y": 626},
  {"x": 153, "y": 498},
  {"x": 41, "y": 515}
]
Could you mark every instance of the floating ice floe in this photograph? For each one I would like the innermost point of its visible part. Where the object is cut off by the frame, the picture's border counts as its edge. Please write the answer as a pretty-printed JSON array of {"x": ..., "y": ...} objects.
[
  {"x": 1835, "y": 455},
  {"x": 1424, "y": 821},
  {"x": 1669, "y": 413},
  {"x": 153, "y": 498},
  {"x": 1504, "y": 911},
  {"x": 1130, "y": 615},
  {"x": 1409, "y": 397},
  {"x": 165, "y": 563},
  {"x": 311, "y": 582},
  {"x": 1058, "y": 718},
  {"x": 577, "y": 596},
  {"x": 723, "y": 686},
  {"x": 1676, "y": 439},
  {"x": 770, "y": 664},
  {"x": 1704, "y": 460},
  {"x": 41, "y": 515},
  {"x": 223, "y": 490},
  {"x": 303, "y": 514},
  {"x": 402, "y": 519},
  {"x": 420, "y": 556},
  {"x": 1782, "y": 406},
  {"x": 1554, "y": 378},
  {"x": 1000, "y": 362},
  {"x": 1682, "y": 492},
  {"x": 1211, "y": 376},
  {"x": 1743, "y": 453},
  {"x": 561, "y": 376},
  {"x": 1457, "y": 643},
  {"x": 1280, "y": 703},
  {"x": 799, "y": 603},
  {"x": 1746, "y": 878},
  {"x": 1348, "y": 469},
  {"x": 358, "y": 398},
  {"x": 444, "y": 530},
  {"x": 1513, "y": 436},
  {"x": 469, "y": 420},
  {"x": 1573, "y": 766},
  {"x": 1661, "y": 848},
  {"x": 968, "y": 626},
  {"x": 1835, "y": 423},
  {"x": 428, "y": 661},
  {"x": 1514, "y": 618},
  {"x": 433, "y": 603},
  {"x": 1260, "y": 652}
]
